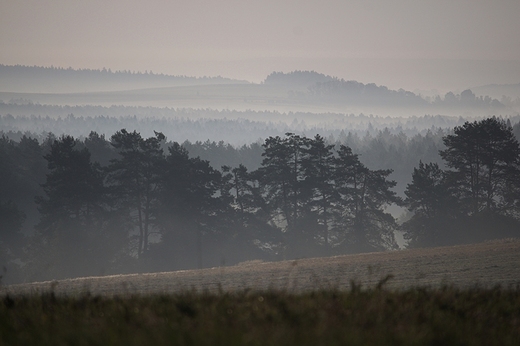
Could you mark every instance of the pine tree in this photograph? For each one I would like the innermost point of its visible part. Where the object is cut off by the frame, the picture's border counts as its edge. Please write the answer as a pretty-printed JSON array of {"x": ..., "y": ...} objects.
[
  {"x": 485, "y": 160},
  {"x": 360, "y": 217},
  {"x": 433, "y": 204},
  {"x": 281, "y": 178},
  {"x": 135, "y": 179},
  {"x": 69, "y": 233},
  {"x": 318, "y": 189},
  {"x": 190, "y": 209}
]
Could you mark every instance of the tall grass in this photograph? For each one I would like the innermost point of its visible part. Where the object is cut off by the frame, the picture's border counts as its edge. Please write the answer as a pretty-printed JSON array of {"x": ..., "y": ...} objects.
[{"x": 376, "y": 316}]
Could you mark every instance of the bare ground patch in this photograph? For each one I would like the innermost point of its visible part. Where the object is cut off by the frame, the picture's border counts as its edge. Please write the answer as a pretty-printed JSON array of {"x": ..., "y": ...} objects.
[{"x": 486, "y": 264}]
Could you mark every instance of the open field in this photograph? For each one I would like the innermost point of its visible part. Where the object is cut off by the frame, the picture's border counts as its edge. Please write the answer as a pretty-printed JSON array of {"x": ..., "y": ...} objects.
[
  {"x": 303, "y": 302},
  {"x": 486, "y": 264},
  {"x": 445, "y": 316}
]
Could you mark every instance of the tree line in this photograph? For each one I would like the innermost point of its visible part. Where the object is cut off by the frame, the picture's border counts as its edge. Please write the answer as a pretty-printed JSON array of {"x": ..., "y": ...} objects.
[
  {"x": 21, "y": 78},
  {"x": 477, "y": 197},
  {"x": 324, "y": 88},
  {"x": 132, "y": 203},
  {"x": 19, "y": 117}
]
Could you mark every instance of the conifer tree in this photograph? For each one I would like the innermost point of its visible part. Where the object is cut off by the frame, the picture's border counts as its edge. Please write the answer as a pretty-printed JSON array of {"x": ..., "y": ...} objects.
[
  {"x": 135, "y": 179},
  {"x": 190, "y": 209},
  {"x": 485, "y": 160},
  {"x": 360, "y": 216},
  {"x": 318, "y": 188},
  {"x": 69, "y": 235}
]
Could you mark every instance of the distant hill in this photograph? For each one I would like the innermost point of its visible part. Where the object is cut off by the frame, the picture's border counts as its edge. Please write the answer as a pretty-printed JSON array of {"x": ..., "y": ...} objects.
[
  {"x": 297, "y": 78},
  {"x": 314, "y": 87},
  {"x": 285, "y": 92},
  {"x": 508, "y": 94},
  {"x": 36, "y": 79},
  {"x": 499, "y": 90}
]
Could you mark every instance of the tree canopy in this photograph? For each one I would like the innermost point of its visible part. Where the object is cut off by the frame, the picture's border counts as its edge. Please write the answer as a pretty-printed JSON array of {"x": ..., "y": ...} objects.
[
  {"x": 479, "y": 193},
  {"x": 131, "y": 203}
]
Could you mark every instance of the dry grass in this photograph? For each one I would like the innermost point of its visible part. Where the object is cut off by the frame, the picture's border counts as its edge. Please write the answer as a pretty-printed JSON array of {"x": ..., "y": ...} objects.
[
  {"x": 485, "y": 265},
  {"x": 444, "y": 316}
]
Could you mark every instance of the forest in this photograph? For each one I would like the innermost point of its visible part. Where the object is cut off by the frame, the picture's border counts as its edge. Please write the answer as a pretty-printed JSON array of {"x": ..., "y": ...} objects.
[
  {"x": 58, "y": 79},
  {"x": 279, "y": 91},
  {"x": 194, "y": 124},
  {"x": 327, "y": 89},
  {"x": 127, "y": 203}
]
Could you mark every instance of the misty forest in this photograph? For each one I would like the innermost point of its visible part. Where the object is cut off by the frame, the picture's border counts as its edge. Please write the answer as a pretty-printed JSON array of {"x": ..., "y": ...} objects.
[{"x": 91, "y": 190}]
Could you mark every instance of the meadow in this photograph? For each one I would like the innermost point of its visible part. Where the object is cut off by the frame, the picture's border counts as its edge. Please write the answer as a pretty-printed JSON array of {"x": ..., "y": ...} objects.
[
  {"x": 375, "y": 316},
  {"x": 460, "y": 295},
  {"x": 487, "y": 264}
]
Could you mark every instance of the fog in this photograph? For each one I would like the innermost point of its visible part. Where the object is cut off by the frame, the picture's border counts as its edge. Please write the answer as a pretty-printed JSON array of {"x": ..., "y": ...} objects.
[
  {"x": 66, "y": 199},
  {"x": 440, "y": 45},
  {"x": 303, "y": 92},
  {"x": 205, "y": 104}
]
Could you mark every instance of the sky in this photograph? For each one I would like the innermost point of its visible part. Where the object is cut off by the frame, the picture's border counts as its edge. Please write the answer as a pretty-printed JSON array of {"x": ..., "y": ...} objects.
[{"x": 410, "y": 44}]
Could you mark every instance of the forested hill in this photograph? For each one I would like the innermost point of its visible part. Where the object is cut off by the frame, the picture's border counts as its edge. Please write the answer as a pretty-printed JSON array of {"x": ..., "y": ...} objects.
[
  {"x": 306, "y": 78},
  {"x": 315, "y": 87},
  {"x": 293, "y": 91},
  {"x": 21, "y": 78}
]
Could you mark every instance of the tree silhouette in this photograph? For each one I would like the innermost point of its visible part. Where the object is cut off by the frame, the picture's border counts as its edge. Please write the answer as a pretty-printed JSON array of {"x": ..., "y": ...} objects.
[
  {"x": 319, "y": 200},
  {"x": 361, "y": 220},
  {"x": 190, "y": 208},
  {"x": 135, "y": 179},
  {"x": 281, "y": 178},
  {"x": 72, "y": 213},
  {"x": 478, "y": 198},
  {"x": 318, "y": 188},
  {"x": 485, "y": 160},
  {"x": 11, "y": 220},
  {"x": 426, "y": 195},
  {"x": 100, "y": 149},
  {"x": 430, "y": 197},
  {"x": 74, "y": 186}
]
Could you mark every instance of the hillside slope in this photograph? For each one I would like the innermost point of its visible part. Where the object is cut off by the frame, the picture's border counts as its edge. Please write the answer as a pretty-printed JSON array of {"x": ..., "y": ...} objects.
[{"x": 486, "y": 264}]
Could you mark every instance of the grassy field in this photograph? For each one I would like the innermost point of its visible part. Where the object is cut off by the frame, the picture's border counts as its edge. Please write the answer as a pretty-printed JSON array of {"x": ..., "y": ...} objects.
[
  {"x": 486, "y": 264},
  {"x": 462, "y": 295},
  {"x": 374, "y": 316}
]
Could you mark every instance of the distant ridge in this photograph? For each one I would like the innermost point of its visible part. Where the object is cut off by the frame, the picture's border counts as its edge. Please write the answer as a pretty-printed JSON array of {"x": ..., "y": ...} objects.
[
  {"x": 298, "y": 78},
  {"x": 311, "y": 86},
  {"x": 22, "y": 78},
  {"x": 297, "y": 90},
  {"x": 499, "y": 90}
]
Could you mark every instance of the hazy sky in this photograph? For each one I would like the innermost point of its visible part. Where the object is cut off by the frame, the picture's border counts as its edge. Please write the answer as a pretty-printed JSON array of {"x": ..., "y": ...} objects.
[{"x": 410, "y": 44}]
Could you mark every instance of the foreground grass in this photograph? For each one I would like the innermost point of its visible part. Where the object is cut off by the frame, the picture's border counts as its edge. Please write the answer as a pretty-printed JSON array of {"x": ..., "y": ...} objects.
[{"x": 419, "y": 316}]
